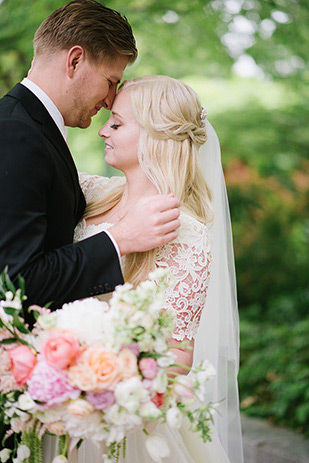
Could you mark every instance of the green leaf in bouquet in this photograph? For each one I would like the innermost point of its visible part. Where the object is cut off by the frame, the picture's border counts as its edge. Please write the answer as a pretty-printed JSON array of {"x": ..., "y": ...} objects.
[
  {"x": 11, "y": 311},
  {"x": 8, "y": 282},
  {"x": 8, "y": 341},
  {"x": 48, "y": 304},
  {"x": 2, "y": 282},
  {"x": 21, "y": 283},
  {"x": 20, "y": 325},
  {"x": 35, "y": 313},
  {"x": 1, "y": 323},
  {"x": 79, "y": 443}
]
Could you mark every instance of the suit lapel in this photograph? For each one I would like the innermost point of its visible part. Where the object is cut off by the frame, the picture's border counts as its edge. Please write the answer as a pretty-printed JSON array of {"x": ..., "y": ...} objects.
[{"x": 39, "y": 113}]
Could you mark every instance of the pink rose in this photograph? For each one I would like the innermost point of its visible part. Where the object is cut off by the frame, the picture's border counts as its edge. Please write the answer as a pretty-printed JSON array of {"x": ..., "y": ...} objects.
[
  {"x": 60, "y": 349},
  {"x": 148, "y": 367},
  {"x": 22, "y": 363}
]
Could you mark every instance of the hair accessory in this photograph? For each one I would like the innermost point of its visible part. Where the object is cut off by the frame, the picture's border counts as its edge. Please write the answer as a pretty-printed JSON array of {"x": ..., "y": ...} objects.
[{"x": 203, "y": 114}]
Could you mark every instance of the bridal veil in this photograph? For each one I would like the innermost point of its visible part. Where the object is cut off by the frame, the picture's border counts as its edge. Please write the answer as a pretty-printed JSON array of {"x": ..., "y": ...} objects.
[{"x": 218, "y": 334}]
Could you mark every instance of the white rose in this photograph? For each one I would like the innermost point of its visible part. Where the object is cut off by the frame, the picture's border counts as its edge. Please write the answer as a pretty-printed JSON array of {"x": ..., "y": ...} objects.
[
  {"x": 160, "y": 382},
  {"x": 80, "y": 408},
  {"x": 149, "y": 411},
  {"x": 157, "y": 447},
  {"x": 23, "y": 452},
  {"x": 174, "y": 418},
  {"x": 25, "y": 402},
  {"x": 130, "y": 393},
  {"x": 86, "y": 318},
  {"x": 5, "y": 455}
]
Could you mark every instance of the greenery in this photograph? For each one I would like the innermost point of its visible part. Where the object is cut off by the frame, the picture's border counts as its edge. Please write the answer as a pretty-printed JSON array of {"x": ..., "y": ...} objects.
[
  {"x": 274, "y": 374},
  {"x": 261, "y": 123}
]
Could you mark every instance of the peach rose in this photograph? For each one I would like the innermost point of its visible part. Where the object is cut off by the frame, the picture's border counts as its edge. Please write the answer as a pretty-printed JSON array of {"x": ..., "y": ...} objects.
[
  {"x": 60, "y": 349},
  {"x": 128, "y": 363},
  {"x": 23, "y": 361},
  {"x": 80, "y": 408},
  {"x": 104, "y": 365},
  {"x": 56, "y": 427},
  {"x": 82, "y": 377}
]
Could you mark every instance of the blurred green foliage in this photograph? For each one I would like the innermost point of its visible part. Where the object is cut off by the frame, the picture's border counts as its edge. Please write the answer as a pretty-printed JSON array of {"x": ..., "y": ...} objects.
[
  {"x": 262, "y": 126},
  {"x": 274, "y": 374}
]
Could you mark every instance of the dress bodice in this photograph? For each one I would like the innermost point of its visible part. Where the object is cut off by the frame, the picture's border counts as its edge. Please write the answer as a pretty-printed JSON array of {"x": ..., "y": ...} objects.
[{"x": 188, "y": 257}]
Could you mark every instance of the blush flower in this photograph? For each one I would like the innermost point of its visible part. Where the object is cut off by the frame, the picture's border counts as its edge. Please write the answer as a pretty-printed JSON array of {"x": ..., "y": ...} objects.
[
  {"x": 104, "y": 365},
  {"x": 101, "y": 400},
  {"x": 80, "y": 408},
  {"x": 128, "y": 363},
  {"x": 148, "y": 367},
  {"x": 184, "y": 387},
  {"x": 60, "y": 349},
  {"x": 22, "y": 363},
  {"x": 50, "y": 385}
]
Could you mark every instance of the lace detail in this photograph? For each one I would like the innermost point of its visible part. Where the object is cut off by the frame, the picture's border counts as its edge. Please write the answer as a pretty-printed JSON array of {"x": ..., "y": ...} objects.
[
  {"x": 94, "y": 185},
  {"x": 188, "y": 257},
  {"x": 82, "y": 231}
]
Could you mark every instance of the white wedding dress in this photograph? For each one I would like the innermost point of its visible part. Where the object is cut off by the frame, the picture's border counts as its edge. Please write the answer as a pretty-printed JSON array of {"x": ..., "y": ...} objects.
[{"x": 189, "y": 258}]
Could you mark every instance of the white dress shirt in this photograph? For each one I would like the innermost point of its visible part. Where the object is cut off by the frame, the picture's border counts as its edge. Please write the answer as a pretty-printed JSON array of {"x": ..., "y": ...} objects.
[{"x": 58, "y": 119}]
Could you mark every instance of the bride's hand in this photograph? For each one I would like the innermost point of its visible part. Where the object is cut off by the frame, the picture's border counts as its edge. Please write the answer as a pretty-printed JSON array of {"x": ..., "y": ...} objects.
[{"x": 151, "y": 223}]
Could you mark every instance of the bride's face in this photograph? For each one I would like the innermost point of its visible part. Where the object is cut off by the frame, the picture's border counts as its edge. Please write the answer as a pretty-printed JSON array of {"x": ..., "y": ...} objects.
[{"x": 121, "y": 135}]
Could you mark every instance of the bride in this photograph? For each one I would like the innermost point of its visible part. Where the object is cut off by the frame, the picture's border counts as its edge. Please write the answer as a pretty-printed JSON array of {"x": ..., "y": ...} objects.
[{"x": 155, "y": 136}]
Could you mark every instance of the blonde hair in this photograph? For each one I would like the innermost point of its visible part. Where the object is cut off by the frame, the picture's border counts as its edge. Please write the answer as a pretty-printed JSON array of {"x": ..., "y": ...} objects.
[{"x": 171, "y": 133}]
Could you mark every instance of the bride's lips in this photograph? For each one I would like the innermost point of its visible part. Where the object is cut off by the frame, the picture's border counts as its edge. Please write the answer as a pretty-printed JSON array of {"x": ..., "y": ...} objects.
[{"x": 108, "y": 147}]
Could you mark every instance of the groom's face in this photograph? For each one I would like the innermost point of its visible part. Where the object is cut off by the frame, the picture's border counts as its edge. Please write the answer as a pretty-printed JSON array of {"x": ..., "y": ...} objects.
[{"x": 94, "y": 88}]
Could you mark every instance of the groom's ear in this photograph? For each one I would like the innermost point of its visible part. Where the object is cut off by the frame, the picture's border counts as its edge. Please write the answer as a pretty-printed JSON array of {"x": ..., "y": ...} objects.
[{"x": 75, "y": 56}]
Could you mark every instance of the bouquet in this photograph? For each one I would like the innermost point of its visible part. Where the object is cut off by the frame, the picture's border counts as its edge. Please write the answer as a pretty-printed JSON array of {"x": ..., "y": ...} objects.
[{"x": 93, "y": 370}]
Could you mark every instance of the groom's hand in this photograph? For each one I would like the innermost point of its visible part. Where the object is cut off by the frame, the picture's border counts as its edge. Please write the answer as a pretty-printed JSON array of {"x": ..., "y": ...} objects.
[{"x": 151, "y": 223}]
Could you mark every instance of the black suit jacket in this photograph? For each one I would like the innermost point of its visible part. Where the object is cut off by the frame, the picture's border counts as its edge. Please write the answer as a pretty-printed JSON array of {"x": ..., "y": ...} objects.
[{"x": 40, "y": 204}]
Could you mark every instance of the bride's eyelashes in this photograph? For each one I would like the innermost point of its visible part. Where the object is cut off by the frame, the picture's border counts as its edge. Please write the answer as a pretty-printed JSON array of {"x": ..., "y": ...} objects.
[{"x": 115, "y": 126}]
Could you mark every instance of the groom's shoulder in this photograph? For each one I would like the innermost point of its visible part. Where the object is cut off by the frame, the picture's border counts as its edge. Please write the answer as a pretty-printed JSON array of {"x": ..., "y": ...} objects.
[{"x": 14, "y": 118}]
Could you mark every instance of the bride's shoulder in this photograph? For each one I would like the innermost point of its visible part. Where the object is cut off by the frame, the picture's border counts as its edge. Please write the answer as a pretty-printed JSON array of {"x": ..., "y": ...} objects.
[
  {"x": 91, "y": 181},
  {"x": 96, "y": 183},
  {"x": 192, "y": 231}
]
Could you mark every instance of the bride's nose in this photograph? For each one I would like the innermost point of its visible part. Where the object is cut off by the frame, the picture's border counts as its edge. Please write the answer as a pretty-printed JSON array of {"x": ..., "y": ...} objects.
[{"x": 103, "y": 132}]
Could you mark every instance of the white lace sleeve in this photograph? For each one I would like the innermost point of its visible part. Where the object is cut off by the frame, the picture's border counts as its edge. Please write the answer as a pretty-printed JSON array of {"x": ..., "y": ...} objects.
[
  {"x": 188, "y": 258},
  {"x": 93, "y": 185}
]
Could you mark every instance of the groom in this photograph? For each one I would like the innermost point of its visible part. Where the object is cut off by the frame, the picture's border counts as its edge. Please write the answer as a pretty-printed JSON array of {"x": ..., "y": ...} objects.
[{"x": 80, "y": 53}]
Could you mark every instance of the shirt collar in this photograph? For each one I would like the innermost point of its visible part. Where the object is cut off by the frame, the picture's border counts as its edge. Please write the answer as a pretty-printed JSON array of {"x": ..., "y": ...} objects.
[{"x": 49, "y": 105}]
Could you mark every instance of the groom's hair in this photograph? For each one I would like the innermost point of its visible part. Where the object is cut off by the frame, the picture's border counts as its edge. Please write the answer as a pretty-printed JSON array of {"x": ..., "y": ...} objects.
[{"x": 102, "y": 32}]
